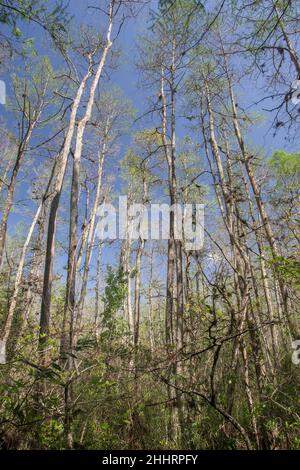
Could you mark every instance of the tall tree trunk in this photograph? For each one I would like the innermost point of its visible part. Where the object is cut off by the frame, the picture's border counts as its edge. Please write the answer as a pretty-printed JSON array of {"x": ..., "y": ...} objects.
[
  {"x": 125, "y": 263},
  {"x": 137, "y": 290},
  {"x": 150, "y": 304},
  {"x": 241, "y": 267},
  {"x": 11, "y": 187},
  {"x": 6, "y": 329},
  {"x": 97, "y": 295},
  {"x": 68, "y": 321},
  {"x": 56, "y": 193},
  {"x": 169, "y": 317},
  {"x": 260, "y": 204}
]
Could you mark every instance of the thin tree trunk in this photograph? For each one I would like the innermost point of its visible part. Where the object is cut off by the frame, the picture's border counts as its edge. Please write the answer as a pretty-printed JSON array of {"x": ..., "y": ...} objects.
[
  {"x": 11, "y": 188},
  {"x": 292, "y": 52},
  {"x": 137, "y": 290},
  {"x": 90, "y": 242}
]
